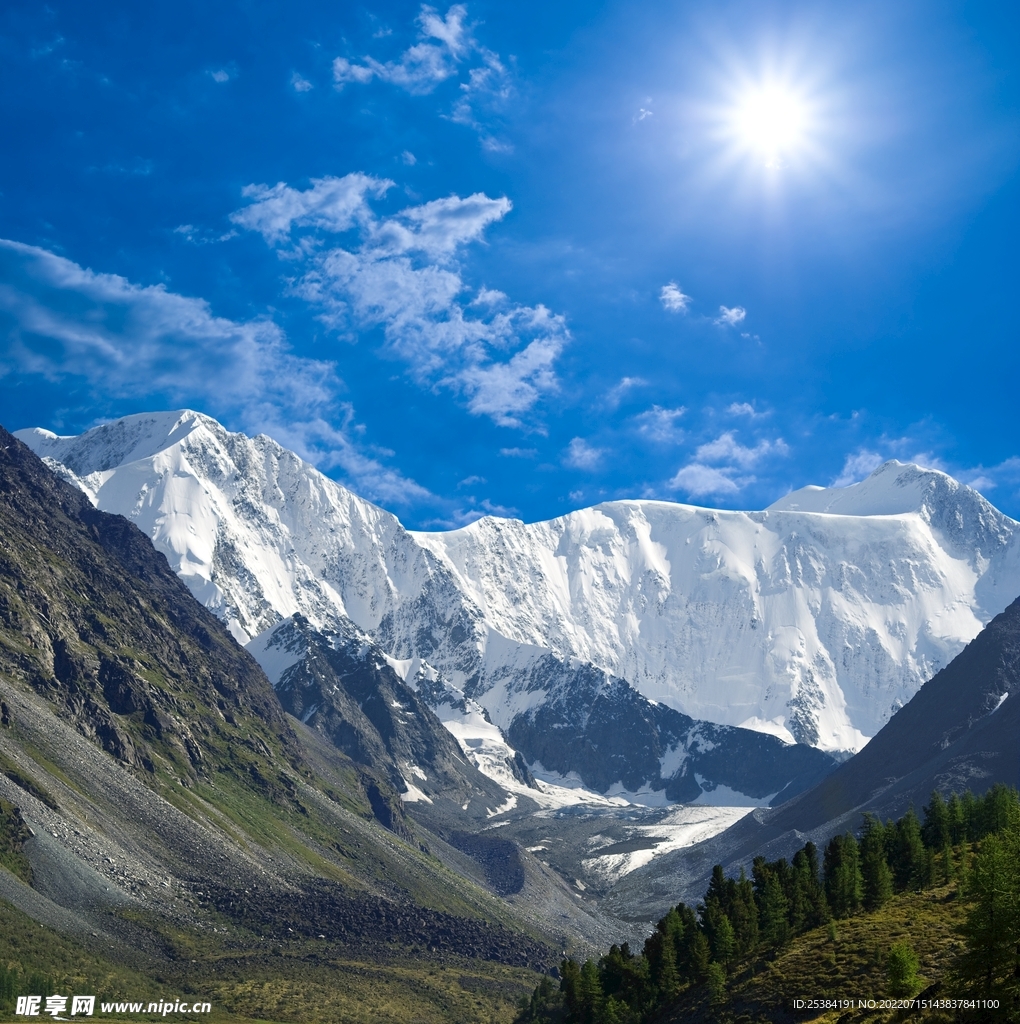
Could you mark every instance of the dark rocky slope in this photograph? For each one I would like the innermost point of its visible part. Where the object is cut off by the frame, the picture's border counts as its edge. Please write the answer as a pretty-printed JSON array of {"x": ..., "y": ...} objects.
[
  {"x": 344, "y": 688},
  {"x": 601, "y": 728}
]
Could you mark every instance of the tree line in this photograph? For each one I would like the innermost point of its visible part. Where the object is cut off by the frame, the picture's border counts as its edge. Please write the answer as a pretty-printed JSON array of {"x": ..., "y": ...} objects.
[{"x": 742, "y": 916}]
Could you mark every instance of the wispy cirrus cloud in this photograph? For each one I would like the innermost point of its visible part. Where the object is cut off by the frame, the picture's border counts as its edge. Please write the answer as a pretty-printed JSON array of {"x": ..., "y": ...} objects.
[
  {"x": 446, "y": 47},
  {"x": 401, "y": 274},
  {"x": 444, "y": 43},
  {"x": 616, "y": 394},
  {"x": 661, "y": 425},
  {"x": 857, "y": 466},
  {"x": 63, "y": 322},
  {"x": 581, "y": 455}
]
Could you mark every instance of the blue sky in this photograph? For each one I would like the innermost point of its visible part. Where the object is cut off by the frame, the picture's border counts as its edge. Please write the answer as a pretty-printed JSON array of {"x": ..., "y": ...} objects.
[{"x": 517, "y": 259}]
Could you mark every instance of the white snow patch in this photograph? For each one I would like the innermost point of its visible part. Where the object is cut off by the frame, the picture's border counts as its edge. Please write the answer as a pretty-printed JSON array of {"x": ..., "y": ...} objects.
[
  {"x": 413, "y": 795},
  {"x": 277, "y": 651},
  {"x": 723, "y": 796},
  {"x": 682, "y": 828},
  {"x": 672, "y": 760},
  {"x": 504, "y": 808},
  {"x": 772, "y": 726}
]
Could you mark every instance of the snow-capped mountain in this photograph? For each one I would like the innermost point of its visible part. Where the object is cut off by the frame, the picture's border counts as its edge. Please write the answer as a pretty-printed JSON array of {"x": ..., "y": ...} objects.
[{"x": 812, "y": 620}]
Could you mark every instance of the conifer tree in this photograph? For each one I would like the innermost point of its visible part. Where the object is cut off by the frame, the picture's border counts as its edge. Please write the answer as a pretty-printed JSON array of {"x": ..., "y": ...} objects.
[
  {"x": 935, "y": 831},
  {"x": 744, "y": 915},
  {"x": 589, "y": 994},
  {"x": 699, "y": 956},
  {"x": 954, "y": 816},
  {"x": 878, "y": 882},
  {"x": 843, "y": 882},
  {"x": 991, "y": 962},
  {"x": 725, "y": 946},
  {"x": 908, "y": 863},
  {"x": 948, "y": 874},
  {"x": 969, "y": 811},
  {"x": 774, "y": 926}
]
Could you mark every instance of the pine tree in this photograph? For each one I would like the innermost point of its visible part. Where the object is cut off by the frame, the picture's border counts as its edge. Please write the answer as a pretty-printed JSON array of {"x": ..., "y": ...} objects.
[
  {"x": 725, "y": 946},
  {"x": 901, "y": 970},
  {"x": 957, "y": 824},
  {"x": 699, "y": 956},
  {"x": 570, "y": 979},
  {"x": 991, "y": 962},
  {"x": 744, "y": 915},
  {"x": 844, "y": 884},
  {"x": 935, "y": 831},
  {"x": 878, "y": 882},
  {"x": 947, "y": 864},
  {"x": 908, "y": 862},
  {"x": 963, "y": 872},
  {"x": 969, "y": 811},
  {"x": 773, "y": 912}
]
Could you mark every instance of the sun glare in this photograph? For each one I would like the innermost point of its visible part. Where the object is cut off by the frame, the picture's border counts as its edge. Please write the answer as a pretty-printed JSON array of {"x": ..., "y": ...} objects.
[{"x": 771, "y": 122}]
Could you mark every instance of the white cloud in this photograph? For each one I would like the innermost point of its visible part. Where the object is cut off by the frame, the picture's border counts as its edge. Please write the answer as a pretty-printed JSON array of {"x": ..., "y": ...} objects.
[
  {"x": 63, "y": 321},
  {"x": 582, "y": 455},
  {"x": 300, "y": 84},
  {"x": 745, "y": 409},
  {"x": 439, "y": 227},
  {"x": 518, "y": 453},
  {"x": 726, "y": 448},
  {"x": 697, "y": 479},
  {"x": 673, "y": 299},
  {"x": 730, "y": 317},
  {"x": 616, "y": 393},
  {"x": 408, "y": 158},
  {"x": 401, "y": 275},
  {"x": 718, "y": 464},
  {"x": 641, "y": 115},
  {"x": 332, "y": 204},
  {"x": 660, "y": 425},
  {"x": 444, "y": 43},
  {"x": 220, "y": 76},
  {"x": 857, "y": 466},
  {"x": 987, "y": 478}
]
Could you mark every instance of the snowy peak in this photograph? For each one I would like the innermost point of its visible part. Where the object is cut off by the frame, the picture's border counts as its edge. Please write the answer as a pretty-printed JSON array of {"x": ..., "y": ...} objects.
[
  {"x": 895, "y": 488},
  {"x": 255, "y": 532},
  {"x": 813, "y": 620},
  {"x": 111, "y": 445}
]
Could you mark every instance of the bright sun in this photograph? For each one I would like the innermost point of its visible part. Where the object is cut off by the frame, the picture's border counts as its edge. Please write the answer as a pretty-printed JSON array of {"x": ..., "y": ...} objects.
[{"x": 771, "y": 121}]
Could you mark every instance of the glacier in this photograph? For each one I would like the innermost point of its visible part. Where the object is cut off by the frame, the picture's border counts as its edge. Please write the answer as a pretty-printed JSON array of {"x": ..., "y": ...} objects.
[{"x": 812, "y": 621}]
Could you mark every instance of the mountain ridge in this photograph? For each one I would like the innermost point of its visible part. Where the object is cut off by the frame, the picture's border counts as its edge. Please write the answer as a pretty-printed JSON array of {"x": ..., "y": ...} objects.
[{"x": 810, "y": 626}]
